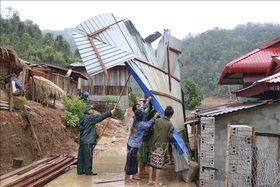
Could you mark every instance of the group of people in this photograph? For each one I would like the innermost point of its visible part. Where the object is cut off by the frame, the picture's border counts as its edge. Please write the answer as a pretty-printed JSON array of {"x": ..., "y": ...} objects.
[{"x": 148, "y": 132}]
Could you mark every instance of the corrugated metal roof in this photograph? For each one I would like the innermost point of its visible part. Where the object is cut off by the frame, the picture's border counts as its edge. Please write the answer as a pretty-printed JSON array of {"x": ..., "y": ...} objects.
[
  {"x": 271, "y": 79},
  {"x": 114, "y": 44},
  {"x": 269, "y": 83},
  {"x": 157, "y": 74},
  {"x": 77, "y": 64},
  {"x": 228, "y": 108},
  {"x": 122, "y": 43},
  {"x": 253, "y": 63}
]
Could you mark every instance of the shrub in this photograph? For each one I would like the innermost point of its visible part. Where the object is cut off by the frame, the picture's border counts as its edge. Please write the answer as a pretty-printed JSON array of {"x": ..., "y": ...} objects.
[
  {"x": 132, "y": 98},
  {"x": 110, "y": 99},
  {"x": 74, "y": 109},
  {"x": 23, "y": 99}
]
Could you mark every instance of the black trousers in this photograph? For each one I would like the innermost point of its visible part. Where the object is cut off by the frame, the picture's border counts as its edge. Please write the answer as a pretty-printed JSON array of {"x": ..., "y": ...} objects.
[
  {"x": 131, "y": 165},
  {"x": 84, "y": 162}
]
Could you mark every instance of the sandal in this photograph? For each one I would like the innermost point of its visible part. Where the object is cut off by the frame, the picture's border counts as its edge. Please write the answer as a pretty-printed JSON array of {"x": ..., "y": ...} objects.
[
  {"x": 151, "y": 183},
  {"x": 159, "y": 184},
  {"x": 136, "y": 177}
]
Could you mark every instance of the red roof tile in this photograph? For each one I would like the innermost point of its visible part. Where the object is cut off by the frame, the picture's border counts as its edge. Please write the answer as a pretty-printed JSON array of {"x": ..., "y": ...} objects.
[
  {"x": 271, "y": 82},
  {"x": 253, "y": 65}
]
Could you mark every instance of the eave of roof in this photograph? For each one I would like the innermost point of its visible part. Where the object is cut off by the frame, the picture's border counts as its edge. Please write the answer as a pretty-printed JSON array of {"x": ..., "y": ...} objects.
[
  {"x": 254, "y": 62},
  {"x": 268, "y": 83},
  {"x": 230, "y": 108},
  {"x": 77, "y": 64},
  {"x": 79, "y": 74},
  {"x": 271, "y": 82}
]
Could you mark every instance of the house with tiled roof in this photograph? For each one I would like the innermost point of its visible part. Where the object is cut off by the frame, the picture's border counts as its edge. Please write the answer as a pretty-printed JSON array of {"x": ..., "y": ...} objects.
[{"x": 224, "y": 158}]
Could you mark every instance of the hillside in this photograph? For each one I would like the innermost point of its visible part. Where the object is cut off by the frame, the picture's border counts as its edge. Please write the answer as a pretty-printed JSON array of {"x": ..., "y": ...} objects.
[{"x": 46, "y": 134}]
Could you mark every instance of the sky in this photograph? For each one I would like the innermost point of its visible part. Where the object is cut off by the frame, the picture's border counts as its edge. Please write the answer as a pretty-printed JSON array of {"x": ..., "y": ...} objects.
[{"x": 180, "y": 17}]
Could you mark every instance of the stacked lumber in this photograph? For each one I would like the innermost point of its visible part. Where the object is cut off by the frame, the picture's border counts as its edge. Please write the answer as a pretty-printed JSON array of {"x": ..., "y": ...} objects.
[{"x": 39, "y": 172}]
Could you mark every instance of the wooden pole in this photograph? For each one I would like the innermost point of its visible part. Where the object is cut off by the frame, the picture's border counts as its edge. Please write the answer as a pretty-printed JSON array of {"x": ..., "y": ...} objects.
[
  {"x": 107, "y": 181},
  {"x": 33, "y": 88},
  {"x": 23, "y": 82},
  {"x": 227, "y": 153},
  {"x": 10, "y": 95},
  {"x": 114, "y": 109},
  {"x": 34, "y": 132}
]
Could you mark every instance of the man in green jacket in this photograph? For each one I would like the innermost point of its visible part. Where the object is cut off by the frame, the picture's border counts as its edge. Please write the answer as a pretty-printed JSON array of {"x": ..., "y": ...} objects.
[
  {"x": 162, "y": 134},
  {"x": 88, "y": 138}
]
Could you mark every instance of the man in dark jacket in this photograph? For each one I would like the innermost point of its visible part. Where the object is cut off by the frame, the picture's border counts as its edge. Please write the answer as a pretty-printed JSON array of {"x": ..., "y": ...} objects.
[{"x": 88, "y": 138}]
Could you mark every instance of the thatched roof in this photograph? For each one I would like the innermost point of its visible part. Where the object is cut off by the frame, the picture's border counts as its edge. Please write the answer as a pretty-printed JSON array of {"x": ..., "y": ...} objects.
[
  {"x": 9, "y": 58},
  {"x": 43, "y": 85}
]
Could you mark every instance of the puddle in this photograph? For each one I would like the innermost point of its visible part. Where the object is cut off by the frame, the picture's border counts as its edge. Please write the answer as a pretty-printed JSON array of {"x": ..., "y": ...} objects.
[{"x": 110, "y": 167}]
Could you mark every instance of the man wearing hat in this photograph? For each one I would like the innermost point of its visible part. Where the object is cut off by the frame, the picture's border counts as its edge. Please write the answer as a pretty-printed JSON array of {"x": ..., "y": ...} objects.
[{"x": 88, "y": 138}]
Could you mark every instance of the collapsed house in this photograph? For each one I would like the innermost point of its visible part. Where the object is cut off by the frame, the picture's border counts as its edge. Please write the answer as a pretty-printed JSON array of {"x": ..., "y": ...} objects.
[{"x": 106, "y": 41}]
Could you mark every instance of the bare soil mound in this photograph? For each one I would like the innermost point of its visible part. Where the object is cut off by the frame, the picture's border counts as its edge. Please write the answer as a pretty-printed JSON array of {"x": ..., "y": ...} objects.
[{"x": 40, "y": 132}]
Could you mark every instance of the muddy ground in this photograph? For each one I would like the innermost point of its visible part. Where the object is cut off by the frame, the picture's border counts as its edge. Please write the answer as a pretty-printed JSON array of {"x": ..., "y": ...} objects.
[{"x": 41, "y": 132}]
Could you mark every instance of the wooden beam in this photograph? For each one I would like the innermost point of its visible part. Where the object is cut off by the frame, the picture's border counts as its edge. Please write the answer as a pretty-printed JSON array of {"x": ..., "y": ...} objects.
[
  {"x": 168, "y": 67},
  {"x": 104, "y": 28},
  {"x": 155, "y": 67},
  {"x": 267, "y": 134},
  {"x": 166, "y": 95},
  {"x": 94, "y": 46},
  {"x": 174, "y": 50},
  {"x": 10, "y": 90},
  {"x": 98, "y": 56}
]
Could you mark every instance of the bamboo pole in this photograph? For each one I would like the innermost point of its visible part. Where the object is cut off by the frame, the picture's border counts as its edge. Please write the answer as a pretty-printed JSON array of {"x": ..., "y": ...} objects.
[
  {"x": 113, "y": 109},
  {"x": 227, "y": 153}
]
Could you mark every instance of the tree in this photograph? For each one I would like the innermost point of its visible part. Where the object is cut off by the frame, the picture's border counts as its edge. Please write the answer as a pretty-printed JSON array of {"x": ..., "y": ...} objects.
[{"x": 192, "y": 94}]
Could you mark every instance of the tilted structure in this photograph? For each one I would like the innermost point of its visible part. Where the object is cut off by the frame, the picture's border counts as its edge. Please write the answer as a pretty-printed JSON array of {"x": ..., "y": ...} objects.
[{"x": 106, "y": 40}]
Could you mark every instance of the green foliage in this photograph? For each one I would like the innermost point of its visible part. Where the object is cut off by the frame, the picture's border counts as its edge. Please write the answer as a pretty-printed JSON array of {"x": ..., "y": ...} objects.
[
  {"x": 205, "y": 55},
  {"x": 110, "y": 99},
  {"x": 23, "y": 99},
  {"x": 132, "y": 98},
  {"x": 26, "y": 38},
  {"x": 118, "y": 114},
  {"x": 71, "y": 119},
  {"x": 134, "y": 87},
  {"x": 74, "y": 109},
  {"x": 43, "y": 99},
  {"x": 192, "y": 94}
]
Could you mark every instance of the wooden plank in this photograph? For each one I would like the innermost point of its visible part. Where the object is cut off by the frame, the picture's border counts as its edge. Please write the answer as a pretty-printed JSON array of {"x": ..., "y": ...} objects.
[
  {"x": 23, "y": 169},
  {"x": 39, "y": 168},
  {"x": 17, "y": 178},
  {"x": 267, "y": 134},
  {"x": 10, "y": 95}
]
